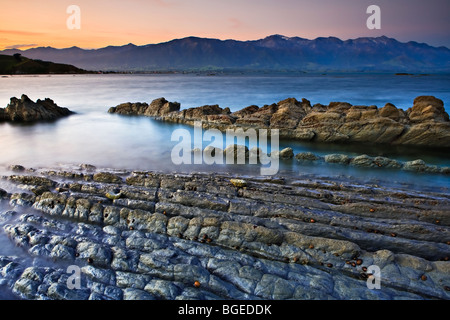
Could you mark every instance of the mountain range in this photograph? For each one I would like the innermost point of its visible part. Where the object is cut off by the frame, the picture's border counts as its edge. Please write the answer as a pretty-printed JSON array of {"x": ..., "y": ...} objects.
[{"x": 273, "y": 53}]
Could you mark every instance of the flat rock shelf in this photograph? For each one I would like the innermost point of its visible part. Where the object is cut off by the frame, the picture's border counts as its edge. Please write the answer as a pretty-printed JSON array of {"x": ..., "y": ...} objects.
[{"x": 150, "y": 235}]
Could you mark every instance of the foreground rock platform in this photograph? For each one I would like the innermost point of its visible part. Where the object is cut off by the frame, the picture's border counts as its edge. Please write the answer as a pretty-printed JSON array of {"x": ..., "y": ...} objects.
[
  {"x": 25, "y": 110},
  {"x": 149, "y": 235},
  {"x": 424, "y": 124}
]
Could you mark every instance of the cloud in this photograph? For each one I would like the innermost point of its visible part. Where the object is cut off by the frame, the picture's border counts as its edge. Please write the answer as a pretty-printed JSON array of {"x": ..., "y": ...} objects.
[
  {"x": 20, "y": 46},
  {"x": 22, "y": 33},
  {"x": 161, "y": 3},
  {"x": 235, "y": 23}
]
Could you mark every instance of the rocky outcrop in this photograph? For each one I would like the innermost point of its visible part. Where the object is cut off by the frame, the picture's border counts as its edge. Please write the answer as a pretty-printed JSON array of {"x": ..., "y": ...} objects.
[
  {"x": 25, "y": 110},
  {"x": 425, "y": 124},
  {"x": 373, "y": 162},
  {"x": 199, "y": 236}
]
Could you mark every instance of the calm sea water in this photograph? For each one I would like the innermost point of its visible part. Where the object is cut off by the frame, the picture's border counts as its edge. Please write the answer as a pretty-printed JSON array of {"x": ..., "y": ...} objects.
[{"x": 93, "y": 136}]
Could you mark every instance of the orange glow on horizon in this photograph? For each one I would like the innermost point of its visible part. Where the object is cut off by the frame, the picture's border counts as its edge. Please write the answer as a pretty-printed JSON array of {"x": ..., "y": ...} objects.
[{"x": 28, "y": 23}]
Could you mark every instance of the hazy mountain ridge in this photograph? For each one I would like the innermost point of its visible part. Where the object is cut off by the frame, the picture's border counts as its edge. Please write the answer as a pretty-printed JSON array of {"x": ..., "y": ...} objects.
[{"x": 275, "y": 52}]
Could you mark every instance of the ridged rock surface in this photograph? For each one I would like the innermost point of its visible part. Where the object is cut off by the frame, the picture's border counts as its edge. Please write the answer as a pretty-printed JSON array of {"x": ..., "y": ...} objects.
[
  {"x": 261, "y": 238},
  {"x": 424, "y": 124}
]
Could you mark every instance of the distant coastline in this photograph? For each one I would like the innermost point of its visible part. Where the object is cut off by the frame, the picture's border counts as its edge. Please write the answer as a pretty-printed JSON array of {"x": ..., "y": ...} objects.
[{"x": 18, "y": 64}]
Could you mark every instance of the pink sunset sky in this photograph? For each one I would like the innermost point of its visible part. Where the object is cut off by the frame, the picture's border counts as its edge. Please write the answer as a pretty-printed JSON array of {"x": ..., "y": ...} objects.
[{"x": 30, "y": 23}]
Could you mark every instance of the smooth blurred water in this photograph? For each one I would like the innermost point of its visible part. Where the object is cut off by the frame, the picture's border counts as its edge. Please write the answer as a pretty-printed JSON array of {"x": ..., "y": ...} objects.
[{"x": 93, "y": 136}]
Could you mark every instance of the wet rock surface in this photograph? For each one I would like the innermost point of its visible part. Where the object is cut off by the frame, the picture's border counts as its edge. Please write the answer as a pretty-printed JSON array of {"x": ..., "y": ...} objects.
[
  {"x": 365, "y": 161},
  {"x": 25, "y": 110},
  {"x": 238, "y": 237},
  {"x": 424, "y": 124}
]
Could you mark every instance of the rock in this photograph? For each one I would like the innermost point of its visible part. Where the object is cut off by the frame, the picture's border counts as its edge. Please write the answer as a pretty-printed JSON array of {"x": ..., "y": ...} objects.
[
  {"x": 22, "y": 199},
  {"x": 3, "y": 193},
  {"x": 279, "y": 238},
  {"x": 238, "y": 151},
  {"x": 107, "y": 177},
  {"x": 59, "y": 291},
  {"x": 87, "y": 167},
  {"x": 212, "y": 152},
  {"x": 427, "y": 108},
  {"x": 239, "y": 183},
  {"x": 303, "y": 134},
  {"x": 161, "y": 107},
  {"x": 17, "y": 168},
  {"x": 245, "y": 112},
  {"x": 429, "y": 134},
  {"x": 289, "y": 113},
  {"x": 163, "y": 289},
  {"x": 362, "y": 161},
  {"x": 287, "y": 153},
  {"x": 129, "y": 109},
  {"x": 261, "y": 118},
  {"x": 416, "y": 166},
  {"x": 25, "y": 110},
  {"x": 390, "y": 111},
  {"x": 113, "y": 196},
  {"x": 306, "y": 156},
  {"x": 136, "y": 294},
  {"x": 5, "y": 216},
  {"x": 94, "y": 253},
  {"x": 33, "y": 180},
  {"x": 62, "y": 252},
  {"x": 337, "y": 158},
  {"x": 425, "y": 124},
  {"x": 256, "y": 152},
  {"x": 203, "y": 112},
  {"x": 387, "y": 163}
]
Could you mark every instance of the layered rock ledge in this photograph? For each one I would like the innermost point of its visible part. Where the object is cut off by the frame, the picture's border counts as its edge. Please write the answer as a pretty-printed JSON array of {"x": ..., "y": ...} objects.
[
  {"x": 26, "y": 110},
  {"x": 149, "y": 235},
  {"x": 424, "y": 124}
]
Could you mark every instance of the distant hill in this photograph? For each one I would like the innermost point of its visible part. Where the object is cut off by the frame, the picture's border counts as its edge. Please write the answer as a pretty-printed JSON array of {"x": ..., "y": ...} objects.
[
  {"x": 17, "y": 64},
  {"x": 273, "y": 53}
]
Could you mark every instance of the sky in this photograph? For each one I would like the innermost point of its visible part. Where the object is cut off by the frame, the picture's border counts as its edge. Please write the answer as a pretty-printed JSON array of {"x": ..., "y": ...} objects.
[{"x": 29, "y": 23}]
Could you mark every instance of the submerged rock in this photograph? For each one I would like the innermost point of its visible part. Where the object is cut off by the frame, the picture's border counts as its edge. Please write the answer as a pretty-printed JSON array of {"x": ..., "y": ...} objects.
[
  {"x": 17, "y": 168},
  {"x": 337, "y": 158},
  {"x": 237, "y": 151},
  {"x": 306, "y": 156},
  {"x": 284, "y": 154},
  {"x": 416, "y": 165},
  {"x": 363, "y": 161}
]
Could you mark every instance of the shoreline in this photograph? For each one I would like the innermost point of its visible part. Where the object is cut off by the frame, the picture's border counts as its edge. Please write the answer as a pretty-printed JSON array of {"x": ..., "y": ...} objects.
[{"x": 216, "y": 229}]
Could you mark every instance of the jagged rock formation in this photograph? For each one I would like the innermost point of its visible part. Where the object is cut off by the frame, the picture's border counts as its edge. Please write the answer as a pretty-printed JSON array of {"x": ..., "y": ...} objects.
[
  {"x": 240, "y": 238},
  {"x": 425, "y": 124},
  {"x": 25, "y": 110}
]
